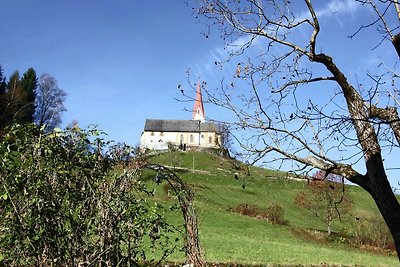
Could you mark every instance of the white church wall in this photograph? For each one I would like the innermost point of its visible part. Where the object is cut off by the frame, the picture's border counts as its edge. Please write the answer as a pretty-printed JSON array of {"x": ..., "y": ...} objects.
[{"x": 160, "y": 140}]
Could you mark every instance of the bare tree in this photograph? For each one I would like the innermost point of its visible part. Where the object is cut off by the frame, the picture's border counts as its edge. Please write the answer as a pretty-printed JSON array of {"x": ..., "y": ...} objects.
[
  {"x": 226, "y": 138},
  {"x": 325, "y": 199},
  {"x": 49, "y": 103},
  {"x": 277, "y": 46}
]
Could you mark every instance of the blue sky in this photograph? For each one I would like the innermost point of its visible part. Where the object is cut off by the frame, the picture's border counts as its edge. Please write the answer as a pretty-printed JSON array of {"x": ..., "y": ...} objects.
[{"x": 120, "y": 61}]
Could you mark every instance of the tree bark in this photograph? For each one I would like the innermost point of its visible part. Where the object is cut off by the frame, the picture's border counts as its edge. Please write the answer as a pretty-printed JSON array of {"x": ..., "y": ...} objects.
[
  {"x": 390, "y": 116},
  {"x": 379, "y": 188},
  {"x": 396, "y": 43}
]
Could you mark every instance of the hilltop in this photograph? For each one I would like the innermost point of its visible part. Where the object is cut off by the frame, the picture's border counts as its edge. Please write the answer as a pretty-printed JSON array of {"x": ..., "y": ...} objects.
[{"x": 228, "y": 234}]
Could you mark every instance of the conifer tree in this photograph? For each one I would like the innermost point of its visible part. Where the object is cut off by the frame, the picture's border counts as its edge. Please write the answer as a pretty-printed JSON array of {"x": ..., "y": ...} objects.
[
  {"x": 17, "y": 97},
  {"x": 12, "y": 99},
  {"x": 28, "y": 84}
]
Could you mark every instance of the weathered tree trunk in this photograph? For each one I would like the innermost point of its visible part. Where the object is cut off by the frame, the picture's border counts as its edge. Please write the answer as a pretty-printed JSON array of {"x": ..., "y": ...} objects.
[
  {"x": 375, "y": 180},
  {"x": 379, "y": 188},
  {"x": 396, "y": 43}
]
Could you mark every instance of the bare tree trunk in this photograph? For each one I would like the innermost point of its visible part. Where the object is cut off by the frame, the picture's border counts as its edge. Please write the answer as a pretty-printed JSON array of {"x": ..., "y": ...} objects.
[
  {"x": 381, "y": 191},
  {"x": 375, "y": 180},
  {"x": 329, "y": 218},
  {"x": 396, "y": 43}
]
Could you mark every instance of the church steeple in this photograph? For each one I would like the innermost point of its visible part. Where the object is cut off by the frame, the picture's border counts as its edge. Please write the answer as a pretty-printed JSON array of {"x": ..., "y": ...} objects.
[{"x": 198, "y": 108}]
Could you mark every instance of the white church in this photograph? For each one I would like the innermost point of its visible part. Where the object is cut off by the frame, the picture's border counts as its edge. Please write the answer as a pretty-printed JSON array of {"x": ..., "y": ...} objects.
[{"x": 184, "y": 134}]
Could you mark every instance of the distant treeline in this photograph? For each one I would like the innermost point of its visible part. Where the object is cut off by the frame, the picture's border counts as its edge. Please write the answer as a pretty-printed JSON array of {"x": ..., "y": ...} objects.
[{"x": 29, "y": 99}]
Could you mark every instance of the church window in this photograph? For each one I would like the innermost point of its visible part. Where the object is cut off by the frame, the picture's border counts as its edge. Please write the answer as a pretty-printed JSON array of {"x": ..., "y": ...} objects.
[
  {"x": 210, "y": 140},
  {"x": 202, "y": 136},
  {"x": 152, "y": 133},
  {"x": 181, "y": 138},
  {"x": 161, "y": 134},
  {"x": 191, "y": 138}
]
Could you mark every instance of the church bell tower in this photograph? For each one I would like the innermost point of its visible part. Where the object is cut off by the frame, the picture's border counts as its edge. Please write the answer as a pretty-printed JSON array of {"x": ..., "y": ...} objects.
[{"x": 198, "y": 108}]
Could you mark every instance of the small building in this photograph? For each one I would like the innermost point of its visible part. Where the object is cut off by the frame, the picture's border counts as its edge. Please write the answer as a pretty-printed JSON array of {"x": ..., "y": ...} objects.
[{"x": 183, "y": 134}]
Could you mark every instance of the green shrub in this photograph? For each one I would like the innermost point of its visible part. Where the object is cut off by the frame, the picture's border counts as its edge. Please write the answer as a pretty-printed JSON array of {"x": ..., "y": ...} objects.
[{"x": 63, "y": 203}]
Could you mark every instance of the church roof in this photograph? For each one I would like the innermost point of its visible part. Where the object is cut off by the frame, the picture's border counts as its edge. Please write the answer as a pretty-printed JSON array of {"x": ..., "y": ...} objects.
[{"x": 179, "y": 126}]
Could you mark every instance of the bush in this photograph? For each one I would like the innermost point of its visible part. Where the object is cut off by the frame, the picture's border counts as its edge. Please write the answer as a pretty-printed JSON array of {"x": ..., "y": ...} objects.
[
  {"x": 373, "y": 231},
  {"x": 248, "y": 210},
  {"x": 63, "y": 203},
  {"x": 274, "y": 213}
]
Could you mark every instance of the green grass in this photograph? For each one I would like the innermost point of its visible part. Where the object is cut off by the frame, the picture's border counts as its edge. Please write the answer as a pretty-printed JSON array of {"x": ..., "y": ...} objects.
[{"x": 232, "y": 238}]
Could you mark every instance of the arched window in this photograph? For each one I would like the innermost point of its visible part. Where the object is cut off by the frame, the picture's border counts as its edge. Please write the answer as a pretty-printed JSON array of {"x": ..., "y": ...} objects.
[
  {"x": 181, "y": 138},
  {"x": 191, "y": 139},
  {"x": 210, "y": 139}
]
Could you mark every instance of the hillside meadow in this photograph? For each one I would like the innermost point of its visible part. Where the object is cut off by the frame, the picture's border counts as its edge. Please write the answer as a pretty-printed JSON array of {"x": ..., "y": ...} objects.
[{"x": 227, "y": 237}]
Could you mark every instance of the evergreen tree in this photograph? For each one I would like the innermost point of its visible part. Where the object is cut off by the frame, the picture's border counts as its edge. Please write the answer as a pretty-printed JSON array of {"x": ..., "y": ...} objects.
[
  {"x": 28, "y": 85},
  {"x": 11, "y": 99},
  {"x": 17, "y": 97}
]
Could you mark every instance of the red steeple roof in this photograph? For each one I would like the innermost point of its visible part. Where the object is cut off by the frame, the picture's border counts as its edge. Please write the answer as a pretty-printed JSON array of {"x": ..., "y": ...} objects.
[{"x": 198, "y": 108}]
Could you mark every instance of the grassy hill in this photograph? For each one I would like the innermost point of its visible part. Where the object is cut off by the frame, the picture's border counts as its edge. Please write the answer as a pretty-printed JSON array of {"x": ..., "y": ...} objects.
[{"x": 230, "y": 237}]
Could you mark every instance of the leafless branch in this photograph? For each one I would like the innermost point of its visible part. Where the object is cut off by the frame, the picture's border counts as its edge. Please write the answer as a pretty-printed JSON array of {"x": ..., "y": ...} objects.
[{"x": 294, "y": 83}]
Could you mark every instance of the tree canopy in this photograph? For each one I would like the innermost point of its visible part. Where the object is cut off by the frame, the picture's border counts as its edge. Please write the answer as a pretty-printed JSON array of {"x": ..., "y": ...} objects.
[
  {"x": 17, "y": 97},
  {"x": 49, "y": 103}
]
